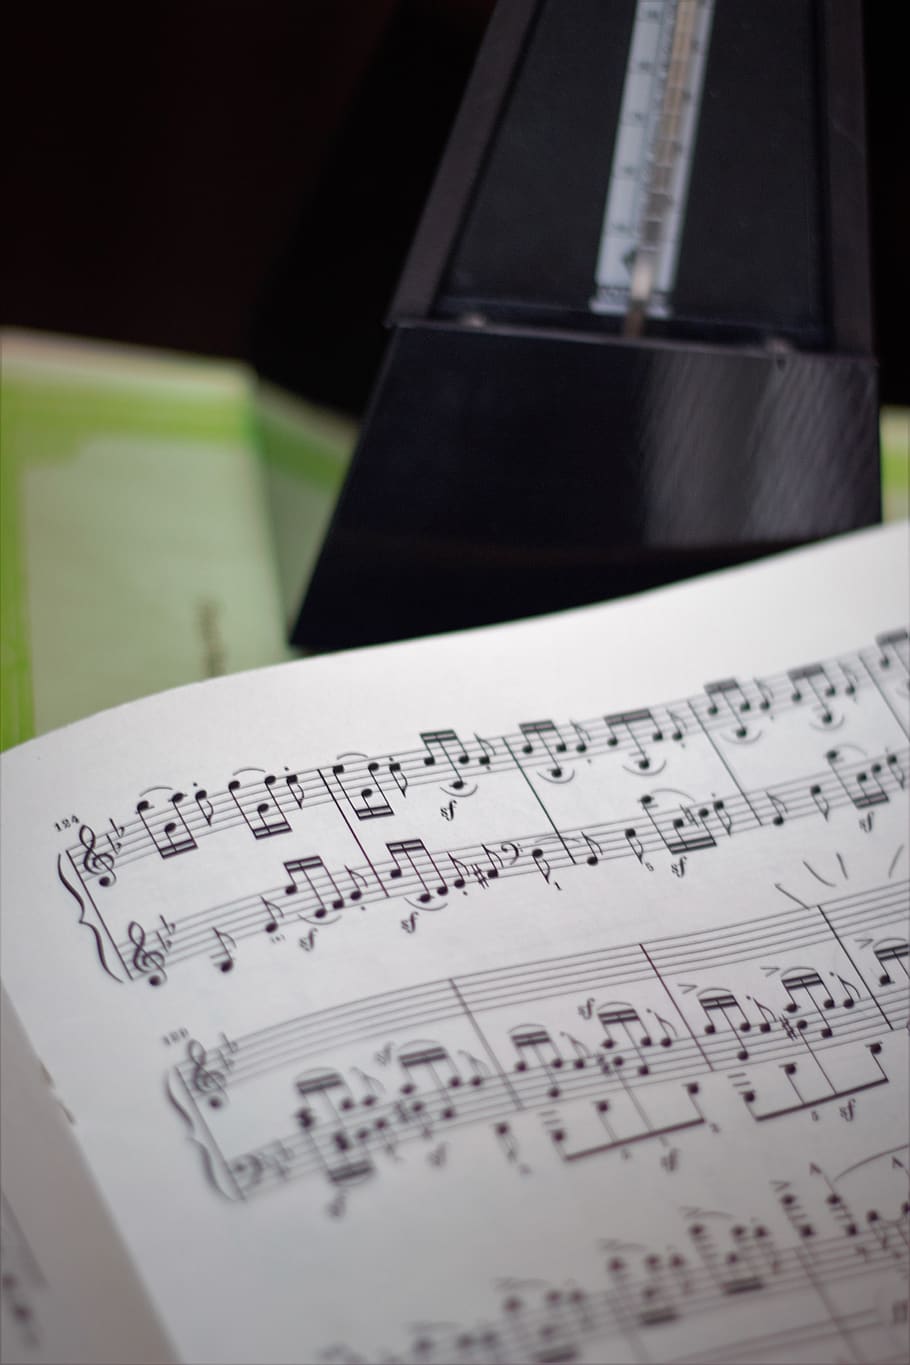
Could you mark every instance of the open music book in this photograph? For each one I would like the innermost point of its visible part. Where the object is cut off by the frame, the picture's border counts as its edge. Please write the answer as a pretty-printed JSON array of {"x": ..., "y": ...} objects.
[{"x": 537, "y": 993}]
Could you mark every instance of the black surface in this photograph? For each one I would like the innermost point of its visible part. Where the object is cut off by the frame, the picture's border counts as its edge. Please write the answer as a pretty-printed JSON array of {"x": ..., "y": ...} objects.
[
  {"x": 532, "y": 232},
  {"x": 503, "y": 473},
  {"x": 318, "y": 325}
]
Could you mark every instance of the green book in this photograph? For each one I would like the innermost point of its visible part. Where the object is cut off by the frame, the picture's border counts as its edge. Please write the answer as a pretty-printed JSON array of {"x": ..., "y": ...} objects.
[{"x": 160, "y": 518}]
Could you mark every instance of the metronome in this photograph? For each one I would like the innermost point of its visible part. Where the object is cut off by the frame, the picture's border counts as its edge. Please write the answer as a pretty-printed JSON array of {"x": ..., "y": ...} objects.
[{"x": 632, "y": 340}]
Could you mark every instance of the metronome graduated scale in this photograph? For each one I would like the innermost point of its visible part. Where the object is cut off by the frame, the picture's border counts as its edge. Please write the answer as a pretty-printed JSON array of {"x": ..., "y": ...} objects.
[
  {"x": 652, "y": 160},
  {"x": 632, "y": 338}
]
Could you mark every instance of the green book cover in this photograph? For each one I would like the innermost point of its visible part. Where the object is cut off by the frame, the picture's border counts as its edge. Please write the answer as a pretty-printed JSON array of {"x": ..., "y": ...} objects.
[{"x": 160, "y": 517}]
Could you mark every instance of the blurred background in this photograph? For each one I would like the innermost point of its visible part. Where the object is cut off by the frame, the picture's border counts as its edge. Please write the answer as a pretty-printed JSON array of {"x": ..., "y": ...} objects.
[{"x": 244, "y": 180}]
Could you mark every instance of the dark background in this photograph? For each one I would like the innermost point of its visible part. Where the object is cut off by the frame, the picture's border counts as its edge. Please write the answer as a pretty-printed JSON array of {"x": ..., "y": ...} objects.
[{"x": 244, "y": 180}]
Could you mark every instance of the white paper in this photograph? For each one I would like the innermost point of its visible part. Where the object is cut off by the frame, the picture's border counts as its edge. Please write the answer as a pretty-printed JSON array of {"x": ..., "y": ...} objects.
[
  {"x": 422, "y": 1003},
  {"x": 67, "y": 1288}
]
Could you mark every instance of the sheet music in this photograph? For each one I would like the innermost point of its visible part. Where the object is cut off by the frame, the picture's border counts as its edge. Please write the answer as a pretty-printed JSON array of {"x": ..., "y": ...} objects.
[{"x": 534, "y": 993}]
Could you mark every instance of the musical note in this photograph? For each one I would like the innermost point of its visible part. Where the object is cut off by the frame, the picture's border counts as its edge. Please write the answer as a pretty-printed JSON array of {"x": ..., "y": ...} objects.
[
  {"x": 807, "y": 981},
  {"x": 768, "y": 1017},
  {"x": 398, "y": 776},
  {"x": 895, "y": 769},
  {"x": 481, "y": 873},
  {"x": 737, "y": 1279},
  {"x": 888, "y": 953},
  {"x": 146, "y": 962},
  {"x": 850, "y": 680},
  {"x": 623, "y": 1017},
  {"x": 536, "y": 1040},
  {"x": 862, "y": 784},
  {"x": 438, "y": 1067},
  {"x": 678, "y": 731},
  {"x": 822, "y": 804},
  {"x": 595, "y": 850},
  {"x": 582, "y": 737},
  {"x": 171, "y": 836},
  {"x": 720, "y": 812},
  {"x": 273, "y": 913},
  {"x": 321, "y": 1086},
  {"x": 656, "y": 1301},
  {"x": 726, "y": 690},
  {"x": 686, "y": 832},
  {"x": 629, "y": 1122},
  {"x": 716, "y": 1001},
  {"x": 495, "y": 863},
  {"x": 820, "y": 685},
  {"x": 550, "y": 1333},
  {"x": 840, "y": 1211},
  {"x": 204, "y": 805},
  {"x": 295, "y": 788},
  {"x": 319, "y": 881},
  {"x": 813, "y": 1086},
  {"x": 360, "y": 787},
  {"x": 461, "y": 870},
  {"x": 224, "y": 954},
  {"x": 765, "y": 695},
  {"x": 95, "y": 863},
  {"x": 507, "y": 1142},
  {"x": 444, "y": 741},
  {"x": 358, "y": 882},
  {"x": 541, "y": 863},
  {"x": 552, "y": 742},
  {"x": 633, "y": 723},
  {"x": 413, "y": 852},
  {"x": 894, "y": 644},
  {"x": 635, "y": 844},
  {"x": 264, "y": 817},
  {"x": 327, "y": 1094}
]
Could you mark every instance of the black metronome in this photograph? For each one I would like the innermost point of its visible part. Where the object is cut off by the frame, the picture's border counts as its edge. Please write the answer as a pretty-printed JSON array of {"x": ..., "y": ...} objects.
[{"x": 632, "y": 340}]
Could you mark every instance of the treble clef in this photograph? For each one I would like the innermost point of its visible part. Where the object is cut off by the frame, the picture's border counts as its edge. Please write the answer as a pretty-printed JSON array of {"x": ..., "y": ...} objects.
[
  {"x": 146, "y": 962},
  {"x": 95, "y": 863},
  {"x": 205, "y": 1080}
]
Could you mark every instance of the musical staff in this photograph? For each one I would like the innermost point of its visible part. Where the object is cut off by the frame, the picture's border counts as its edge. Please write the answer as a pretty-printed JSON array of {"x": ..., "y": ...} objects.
[
  {"x": 720, "y": 1266},
  {"x": 171, "y": 823},
  {"x": 620, "y": 1032},
  {"x": 419, "y": 876}
]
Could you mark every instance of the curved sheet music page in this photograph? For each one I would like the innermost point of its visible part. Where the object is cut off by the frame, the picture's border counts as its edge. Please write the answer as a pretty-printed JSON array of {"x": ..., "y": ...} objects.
[{"x": 534, "y": 993}]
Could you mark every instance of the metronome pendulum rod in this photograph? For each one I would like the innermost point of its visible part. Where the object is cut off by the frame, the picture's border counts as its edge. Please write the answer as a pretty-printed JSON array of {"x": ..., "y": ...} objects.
[{"x": 652, "y": 159}]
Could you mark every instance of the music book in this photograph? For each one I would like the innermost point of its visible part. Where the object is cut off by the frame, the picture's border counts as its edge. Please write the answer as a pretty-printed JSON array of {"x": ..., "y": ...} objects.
[
  {"x": 535, "y": 993},
  {"x": 107, "y": 454}
]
